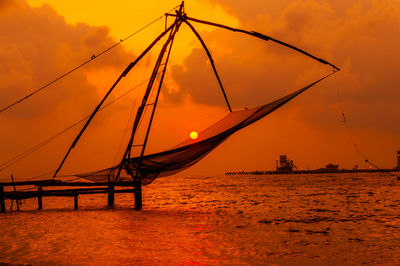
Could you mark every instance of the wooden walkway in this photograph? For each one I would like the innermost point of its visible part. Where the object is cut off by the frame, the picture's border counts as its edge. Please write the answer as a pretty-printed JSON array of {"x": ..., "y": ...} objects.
[{"x": 36, "y": 190}]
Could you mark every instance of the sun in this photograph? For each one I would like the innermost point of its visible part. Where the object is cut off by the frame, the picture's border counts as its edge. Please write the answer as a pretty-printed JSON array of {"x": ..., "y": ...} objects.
[{"x": 194, "y": 135}]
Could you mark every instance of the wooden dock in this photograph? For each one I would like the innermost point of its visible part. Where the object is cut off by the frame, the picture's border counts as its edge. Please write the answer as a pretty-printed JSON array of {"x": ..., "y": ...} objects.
[{"x": 36, "y": 190}]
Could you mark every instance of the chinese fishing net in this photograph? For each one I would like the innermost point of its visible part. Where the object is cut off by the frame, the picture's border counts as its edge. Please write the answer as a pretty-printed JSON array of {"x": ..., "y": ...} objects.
[{"x": 190, "y": 152}]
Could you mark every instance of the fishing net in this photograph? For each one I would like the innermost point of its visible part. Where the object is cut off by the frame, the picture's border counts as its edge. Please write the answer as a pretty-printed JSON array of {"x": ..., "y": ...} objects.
[{"x": 191, "y": 151}]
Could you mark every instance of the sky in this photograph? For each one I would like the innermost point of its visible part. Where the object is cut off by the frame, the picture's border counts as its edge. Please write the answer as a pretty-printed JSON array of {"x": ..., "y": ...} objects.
[{"x": 42, "y": 39}]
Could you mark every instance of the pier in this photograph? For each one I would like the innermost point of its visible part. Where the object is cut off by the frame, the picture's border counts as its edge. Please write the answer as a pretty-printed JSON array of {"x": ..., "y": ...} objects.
[
  {"x": 316, "y": 171},
  {"x": 285, "y": 166},
  {"x": 36, "y": 189}
]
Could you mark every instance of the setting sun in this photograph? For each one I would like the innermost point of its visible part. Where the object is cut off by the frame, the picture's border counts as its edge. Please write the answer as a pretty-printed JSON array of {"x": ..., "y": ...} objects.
[{"x": 194, "y": 135}]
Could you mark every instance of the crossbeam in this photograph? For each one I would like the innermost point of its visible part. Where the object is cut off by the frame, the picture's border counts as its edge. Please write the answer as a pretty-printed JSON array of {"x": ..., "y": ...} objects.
[{"x": 260, "y": 36}]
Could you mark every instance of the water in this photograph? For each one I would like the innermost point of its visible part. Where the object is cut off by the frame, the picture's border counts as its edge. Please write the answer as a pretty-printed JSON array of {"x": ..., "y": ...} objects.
[{"x": 230, "y": 220}]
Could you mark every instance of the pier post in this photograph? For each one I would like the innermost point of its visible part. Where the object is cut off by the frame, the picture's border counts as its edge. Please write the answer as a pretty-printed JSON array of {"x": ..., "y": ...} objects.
[
  {"x": 39, "y": 197},
  {"x": 15, "y": 190},
  {"x": 2, "y": 203},
  {"x": 138, "y": 194},
  {"x": 110, "y": 195},
  {"x": 75, "y": 201}
]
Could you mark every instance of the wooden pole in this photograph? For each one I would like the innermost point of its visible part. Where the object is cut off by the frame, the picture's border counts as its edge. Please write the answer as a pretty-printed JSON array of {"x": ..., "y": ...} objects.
[
  {"x": 137, "y": 177},
  {"x": 15, "y": 189},
  {"x": 57, "y": 183},
  {"x": 138, "y": 195},
  {"x": 2, "y": 203},
  {"x": 211, "y": 61},
  {"x": 126, "y": 71},
  {"x": 39, "y": 197},
  {"x": 257, "y": 35},
  {"x": 76, "y": 201},
  {"x": 110, "y": 195},
  {"x": 141, "y": 109}
]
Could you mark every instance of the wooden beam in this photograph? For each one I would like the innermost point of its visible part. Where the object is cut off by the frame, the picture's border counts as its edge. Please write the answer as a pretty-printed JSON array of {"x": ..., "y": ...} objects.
[
  {"x": 39, "y": 197},
  {"x": 2, "y": 203},
  {"x": 258, "y": 35},
  {"x": 211, "y": 61},
  {"x": 60, "y": 193},
  {"x": 40, "y": 193},
  {"x": 27, "y": 183},
  {"x": 110, "y": 195},
  {"x": 138, "y": 195},
  {"x": 59, "y": 183},
  {"x": 15, "y": 189},
  {"x": 126, "y": 71},
  {"x": 76, "y": 201}
]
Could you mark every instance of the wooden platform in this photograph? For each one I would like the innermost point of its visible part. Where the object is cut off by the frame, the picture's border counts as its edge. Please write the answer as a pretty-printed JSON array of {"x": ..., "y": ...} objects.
[{"x": 36, "y": 190}]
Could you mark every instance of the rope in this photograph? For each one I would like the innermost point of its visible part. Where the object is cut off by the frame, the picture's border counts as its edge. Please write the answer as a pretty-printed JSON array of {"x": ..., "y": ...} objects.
[
  {"x": 353, "y": 141},
  {"x": 130, "y": 117},
  {"x": 94, "y": 56},
  {"x": 24, "y": 154},
  {"x": 39, "y": 176}
]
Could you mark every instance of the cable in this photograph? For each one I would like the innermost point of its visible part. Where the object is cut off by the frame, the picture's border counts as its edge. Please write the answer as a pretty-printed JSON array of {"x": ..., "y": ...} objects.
[
  {"x": 345, "y": 122},
  {"x": 38, "y": 176},
  {"x": 94, "y": 56},
  {"x": 130, "y": 117},
  {"x": 24, "y": 154}
]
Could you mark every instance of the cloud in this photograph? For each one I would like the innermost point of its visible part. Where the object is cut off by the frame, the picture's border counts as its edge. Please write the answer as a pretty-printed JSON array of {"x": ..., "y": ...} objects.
[
  {"x": 253, "y": 10},
  {"x": 361, "y": 37},
  {"x": 5, "y": 4},
  {"x": 38, "y": 46}
]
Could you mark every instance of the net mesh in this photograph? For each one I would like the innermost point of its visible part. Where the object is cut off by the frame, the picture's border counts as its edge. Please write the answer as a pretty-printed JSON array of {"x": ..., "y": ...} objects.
[{"x": 190, "y": 151}]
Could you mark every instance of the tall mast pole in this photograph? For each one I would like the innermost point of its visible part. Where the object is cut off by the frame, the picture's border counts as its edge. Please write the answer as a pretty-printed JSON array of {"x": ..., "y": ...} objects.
[
  {"x": 183, "y": 18},
  {"x": 156, "y": 99},
  {"x": 124, "y": 73},
  {"x": 126, "y": 157}
]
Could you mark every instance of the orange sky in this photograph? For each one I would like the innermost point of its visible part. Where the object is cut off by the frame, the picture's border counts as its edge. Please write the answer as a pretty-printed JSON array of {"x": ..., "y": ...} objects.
[{"x": 42, "y": 39}]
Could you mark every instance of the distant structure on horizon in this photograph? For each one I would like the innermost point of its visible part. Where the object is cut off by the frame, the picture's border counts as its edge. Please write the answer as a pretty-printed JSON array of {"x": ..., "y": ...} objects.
[
  {"x": 284, "y": 164},
  {"x": 331, "y": 167}
]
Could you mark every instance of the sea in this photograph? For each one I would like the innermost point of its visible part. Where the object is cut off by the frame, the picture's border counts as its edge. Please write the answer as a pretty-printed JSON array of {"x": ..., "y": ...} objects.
[{"x": 324, "y": 219}]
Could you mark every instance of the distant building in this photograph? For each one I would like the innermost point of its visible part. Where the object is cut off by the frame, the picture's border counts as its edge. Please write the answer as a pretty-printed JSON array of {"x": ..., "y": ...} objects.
[
  {"x": 332, "y": 167},
  {"x": 284, "y": 164}
]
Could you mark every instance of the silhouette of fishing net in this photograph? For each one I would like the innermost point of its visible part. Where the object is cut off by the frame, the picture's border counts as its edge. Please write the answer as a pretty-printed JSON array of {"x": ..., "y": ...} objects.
[{"x": 191, "y": 151}]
